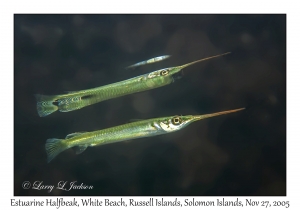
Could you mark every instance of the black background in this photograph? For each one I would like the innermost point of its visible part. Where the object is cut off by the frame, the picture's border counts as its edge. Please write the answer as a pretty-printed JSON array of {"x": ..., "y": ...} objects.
[{"x": 238, "y": 154}]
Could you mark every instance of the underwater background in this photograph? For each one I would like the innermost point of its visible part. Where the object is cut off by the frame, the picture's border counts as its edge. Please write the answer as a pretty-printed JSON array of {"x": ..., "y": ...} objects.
[{"x": 238, "y": 154}]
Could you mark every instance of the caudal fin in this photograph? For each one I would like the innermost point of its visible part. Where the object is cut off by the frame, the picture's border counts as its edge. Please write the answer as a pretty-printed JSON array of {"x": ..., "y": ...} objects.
[
  {"x": 45, "y": 104},
  {"x": 54, "y": 147}
]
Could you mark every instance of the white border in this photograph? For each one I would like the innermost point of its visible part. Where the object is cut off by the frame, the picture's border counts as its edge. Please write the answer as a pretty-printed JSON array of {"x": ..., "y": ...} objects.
[{"x": 8, "y": 8}]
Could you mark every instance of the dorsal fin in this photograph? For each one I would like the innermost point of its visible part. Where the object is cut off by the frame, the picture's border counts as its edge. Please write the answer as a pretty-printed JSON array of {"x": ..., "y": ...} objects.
[
  {"x": 135, "y": 120},
  {"x": 74, "y": 134},
  {"x": 74, "y": 91}
]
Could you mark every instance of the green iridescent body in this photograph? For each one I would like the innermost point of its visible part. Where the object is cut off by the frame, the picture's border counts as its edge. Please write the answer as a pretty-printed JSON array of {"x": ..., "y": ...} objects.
[
  {"x": 79, "y": 99},
  {"x": 134, "y": 130}
]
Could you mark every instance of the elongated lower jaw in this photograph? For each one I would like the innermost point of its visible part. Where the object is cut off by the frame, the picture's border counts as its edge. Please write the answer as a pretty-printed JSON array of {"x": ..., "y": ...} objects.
[
  {"x": 204, "y": 59},
  {"x": 201, "y": 117}
]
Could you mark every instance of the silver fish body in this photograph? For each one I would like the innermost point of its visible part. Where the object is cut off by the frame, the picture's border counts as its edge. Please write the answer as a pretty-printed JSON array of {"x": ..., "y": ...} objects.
[{"x": 149, "y": 61}]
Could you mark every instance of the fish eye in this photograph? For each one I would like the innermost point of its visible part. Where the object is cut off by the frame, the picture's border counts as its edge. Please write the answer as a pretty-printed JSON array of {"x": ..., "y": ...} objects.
[
  {"x": 164, "y": 72},
  {"x": 176, "y": 120}
]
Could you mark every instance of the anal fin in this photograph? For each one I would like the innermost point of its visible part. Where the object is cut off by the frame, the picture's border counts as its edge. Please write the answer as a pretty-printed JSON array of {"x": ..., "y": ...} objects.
[{"x": 80, "y": 149}]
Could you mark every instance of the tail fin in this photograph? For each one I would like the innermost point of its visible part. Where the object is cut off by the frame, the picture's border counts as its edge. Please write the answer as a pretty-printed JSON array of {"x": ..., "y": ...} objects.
[
  {"x": 54, "y": 147},
  {"x": 45, "y": 104}
]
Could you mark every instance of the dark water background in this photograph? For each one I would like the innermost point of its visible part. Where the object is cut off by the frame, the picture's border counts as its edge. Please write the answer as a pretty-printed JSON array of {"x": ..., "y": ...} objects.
[{"x": 238, "y": 154}]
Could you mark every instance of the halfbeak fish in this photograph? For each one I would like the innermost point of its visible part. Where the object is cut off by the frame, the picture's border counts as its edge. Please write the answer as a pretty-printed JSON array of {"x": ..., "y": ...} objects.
[
  {"x": 149, "y": 61},
  {"x": 78, "y": 99},
  {"x": 134, "y": 130}
]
